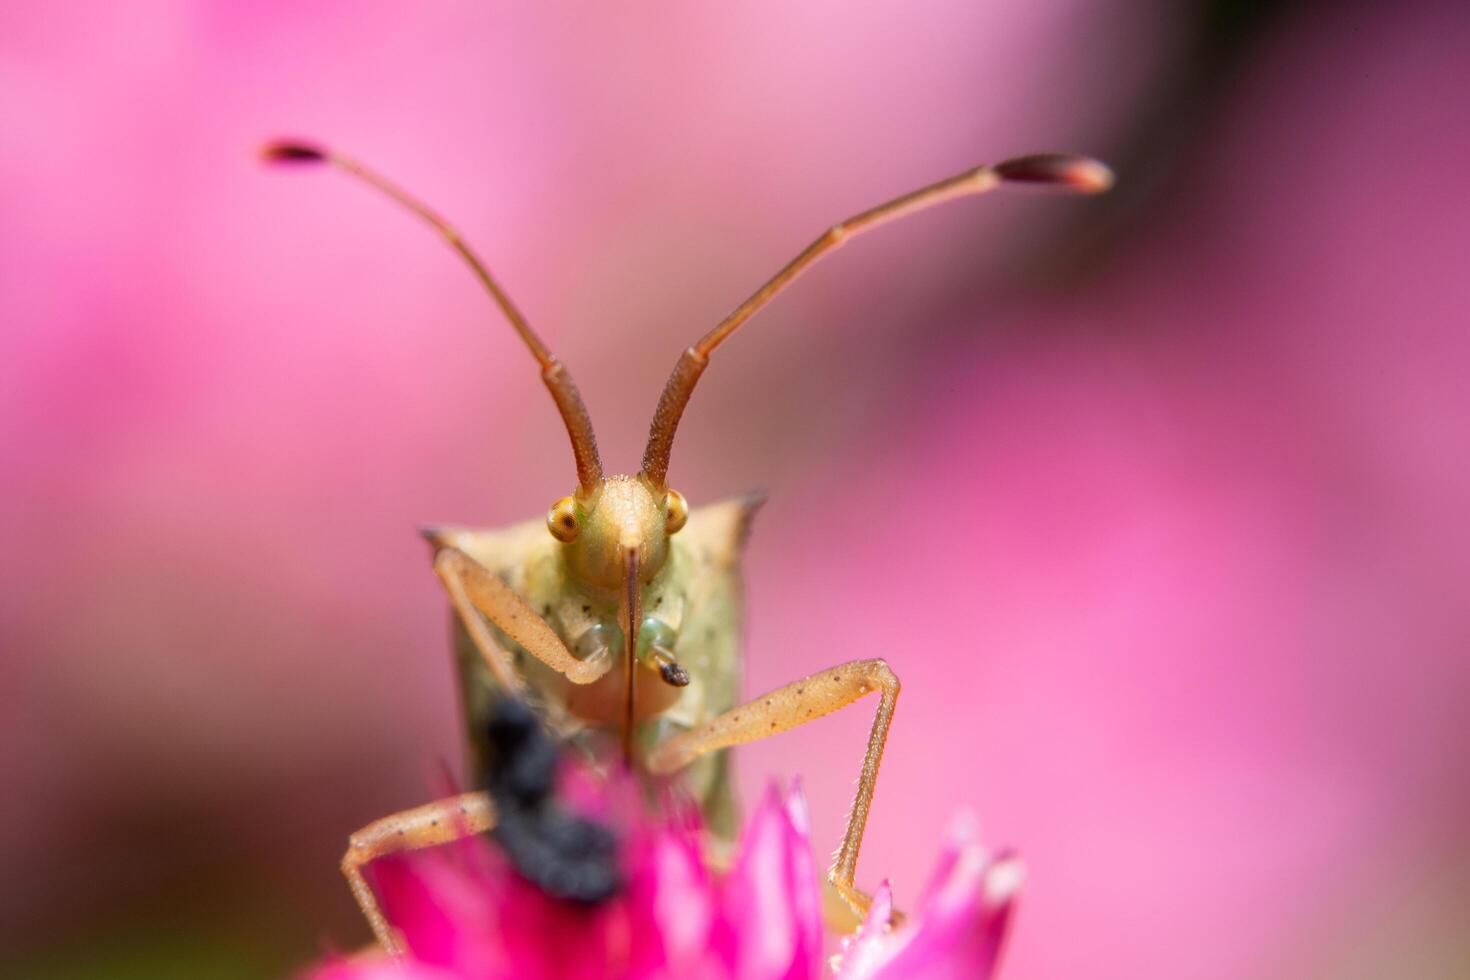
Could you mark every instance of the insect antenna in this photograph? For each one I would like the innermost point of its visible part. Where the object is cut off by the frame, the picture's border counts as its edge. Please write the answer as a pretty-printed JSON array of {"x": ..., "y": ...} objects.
[
  {"x": 1062, "y": 171},
  {"x": 553, "y": 372}
]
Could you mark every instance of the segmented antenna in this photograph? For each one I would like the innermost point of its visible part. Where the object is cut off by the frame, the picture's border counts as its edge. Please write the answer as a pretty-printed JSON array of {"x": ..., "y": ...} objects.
[
  {"x": 1062, "y": 171},
  {"x": 553, "y": 372}
]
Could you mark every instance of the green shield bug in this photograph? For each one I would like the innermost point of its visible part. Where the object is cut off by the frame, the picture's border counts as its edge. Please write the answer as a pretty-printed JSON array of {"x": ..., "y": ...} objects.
[{"x": 620, "y": 611}]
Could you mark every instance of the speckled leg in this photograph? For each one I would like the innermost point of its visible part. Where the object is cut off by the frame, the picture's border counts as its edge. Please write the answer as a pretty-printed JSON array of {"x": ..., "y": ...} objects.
[
  {"x": 425, "y": 826},
  {"x": 474, "y": 592},
  {"x": 795, "y": 704}
]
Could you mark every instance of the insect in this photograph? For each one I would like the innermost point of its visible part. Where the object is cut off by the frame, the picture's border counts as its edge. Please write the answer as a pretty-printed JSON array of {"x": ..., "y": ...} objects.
[{"x": 619, "y": 612}]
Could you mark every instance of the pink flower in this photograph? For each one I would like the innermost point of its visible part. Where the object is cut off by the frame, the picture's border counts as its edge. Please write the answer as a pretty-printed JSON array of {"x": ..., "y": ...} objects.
[{"x": 464, "y": 913}]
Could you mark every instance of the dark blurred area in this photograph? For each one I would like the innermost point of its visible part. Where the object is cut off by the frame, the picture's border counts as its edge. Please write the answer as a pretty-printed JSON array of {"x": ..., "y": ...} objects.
[{"x": 1190, "y": 632}]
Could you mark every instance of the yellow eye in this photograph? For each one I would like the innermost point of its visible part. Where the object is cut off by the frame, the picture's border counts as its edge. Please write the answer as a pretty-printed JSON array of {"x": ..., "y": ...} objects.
[
  {"x": 677, "y": 508},
  {"x": 562, "y": 520}
]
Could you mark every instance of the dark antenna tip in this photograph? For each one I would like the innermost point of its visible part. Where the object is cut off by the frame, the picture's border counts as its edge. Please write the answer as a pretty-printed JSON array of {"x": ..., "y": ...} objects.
[
  {"x": 1064, "y": 170},
  {"x": 290, "y": 151}
]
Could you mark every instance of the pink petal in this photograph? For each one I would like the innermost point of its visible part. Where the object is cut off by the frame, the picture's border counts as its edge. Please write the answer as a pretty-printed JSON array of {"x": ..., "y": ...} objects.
[
  {"x": 461, "y": 908},
  {"x": 766, "y": 898},
  {"x": 958, "y": 929},
  {"x": 381, "y": 968},
  {"x": 864, "y": 951},
  {"x": 671, "y": 906},
  {"x": 806, "y": 899},
  {"x": 446, "y": 914},
  {"x": 550, "y": 939}
]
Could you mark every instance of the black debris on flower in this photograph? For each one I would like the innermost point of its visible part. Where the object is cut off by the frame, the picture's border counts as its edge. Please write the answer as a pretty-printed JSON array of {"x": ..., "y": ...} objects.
[{"x": 566, "y": 855}]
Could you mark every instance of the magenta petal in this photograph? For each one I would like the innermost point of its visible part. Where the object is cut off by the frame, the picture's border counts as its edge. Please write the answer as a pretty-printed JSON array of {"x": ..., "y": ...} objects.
[
  {"x": 961, "y": 929},
  {"x": 958, "y": 929},
  {"x": 806, "y": 897},
  {"x": 381, "y": 968},
  {"x": 670, "y": 907},
  {"x": 761, "y": 937},
  {"x": 446, "y": 915},
  {"x": 550, "y": 939},
  {"x": 865, "y": 951},
  {"x": 462, "y": 908}
]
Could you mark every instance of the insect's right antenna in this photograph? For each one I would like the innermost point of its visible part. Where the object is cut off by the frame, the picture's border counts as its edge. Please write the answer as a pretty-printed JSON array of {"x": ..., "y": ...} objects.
[
  {"x": 1063, "y": 171},
  {"x": 553, "y": 372}
]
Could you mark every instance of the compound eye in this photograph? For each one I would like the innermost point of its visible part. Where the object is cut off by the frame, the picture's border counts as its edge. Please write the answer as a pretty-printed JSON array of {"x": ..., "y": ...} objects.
[
  {"x": 561, "y": 520},
  {"x": 677, "y": 508}
]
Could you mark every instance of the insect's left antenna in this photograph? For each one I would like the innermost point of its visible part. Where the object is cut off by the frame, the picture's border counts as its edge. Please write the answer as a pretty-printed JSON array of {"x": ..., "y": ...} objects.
[
  {"x": 553, "y": 372},
  {"x": 1059, "y": 171}
]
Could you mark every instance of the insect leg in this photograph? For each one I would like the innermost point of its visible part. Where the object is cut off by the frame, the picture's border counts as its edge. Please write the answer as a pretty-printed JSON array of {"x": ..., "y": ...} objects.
[
  {"x": 474, "y": 591},
  {"x": 425, "y": 826},
  {"x": 795, "y": 704}
]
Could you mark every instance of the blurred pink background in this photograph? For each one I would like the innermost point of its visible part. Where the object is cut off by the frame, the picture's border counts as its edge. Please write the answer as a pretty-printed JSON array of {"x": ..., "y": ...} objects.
[{"x": 1156, "y": 503}]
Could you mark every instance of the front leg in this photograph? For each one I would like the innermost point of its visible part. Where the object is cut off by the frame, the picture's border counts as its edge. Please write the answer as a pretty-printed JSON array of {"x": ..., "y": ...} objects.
[
  {"x": 425, "y": 826},
  {"x": 795, "y": 704},
  {"x": 475, "y": 592}
]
